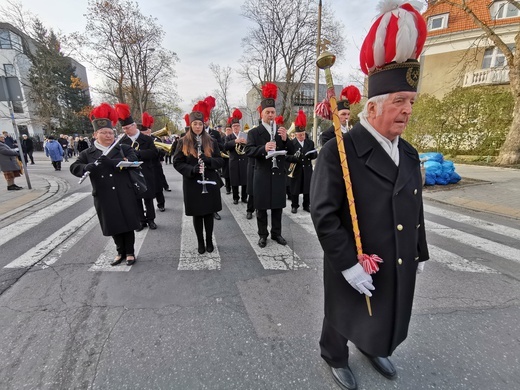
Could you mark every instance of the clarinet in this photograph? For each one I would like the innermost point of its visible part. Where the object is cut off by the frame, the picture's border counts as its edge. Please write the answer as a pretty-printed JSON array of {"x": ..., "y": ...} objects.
[
  {"x": 273, "y": 135},
  {"x": 201, "y": 163},
  {"x": 87, "y": 173}
]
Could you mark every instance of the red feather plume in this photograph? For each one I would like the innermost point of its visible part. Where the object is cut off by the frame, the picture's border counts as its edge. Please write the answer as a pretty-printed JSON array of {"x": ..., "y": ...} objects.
[
  {"x": 210, "y": 101},
  {"x": 104, "y": 110},
  {"x": 279, "y": 120},
  {"x": 187, "y": 119},
  {"x": 147, "y": 120},
  {"x": 203, "y": 107},
  {"x": 259, "y": 109},
  {"x": 229, "y": 120},
  {"x": 237, "y": 114},
  {"x": 301, "y": 119},
  {"x": 123, "y": 110},
  {"x": 270, "y": 90},
  {"x": 351, "y": 93}
]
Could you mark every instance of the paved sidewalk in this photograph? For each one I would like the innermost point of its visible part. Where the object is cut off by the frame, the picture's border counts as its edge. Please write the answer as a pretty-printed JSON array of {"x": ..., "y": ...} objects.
[{"x": 489, "y": 189}]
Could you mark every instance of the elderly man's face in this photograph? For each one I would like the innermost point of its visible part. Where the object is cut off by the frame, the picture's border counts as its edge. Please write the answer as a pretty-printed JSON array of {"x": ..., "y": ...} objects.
[{"x": 392, "y": 121}]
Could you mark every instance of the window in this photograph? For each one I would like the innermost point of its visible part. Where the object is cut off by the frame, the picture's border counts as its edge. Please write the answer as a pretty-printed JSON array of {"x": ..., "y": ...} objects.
[
  {"x": 503, "y": 9},
  {"x": 9, "y": 70},
  {"x": 17, "y": 107},
  {"x": 438, "y": 22},
  {"x": 9, "y": 40},
  {"x": 494, "y": 58}
]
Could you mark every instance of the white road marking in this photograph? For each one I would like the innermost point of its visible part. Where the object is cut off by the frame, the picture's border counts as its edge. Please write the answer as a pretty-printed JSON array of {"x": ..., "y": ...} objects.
[
  {"x": 189, "y": 258},
  {"x": 39, "y": 251},
  {"x": 302, "y": 218},
  {"x": 9, "y": 232},
  {"x": 458, "y": 217},
  {"x": 273, "y": 256},
  {"x": 102, "y": 264},
  {"x": 481, "y": 243},
  {"x": 456, "y": 262}
]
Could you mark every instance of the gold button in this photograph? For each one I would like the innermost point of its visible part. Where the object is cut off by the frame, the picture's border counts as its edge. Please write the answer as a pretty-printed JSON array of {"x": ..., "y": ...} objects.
[
  {"x": 113, "y": 188},
  {"x": 418, "y": 226},
  {"x": 415, "y": 191},
  {"x": 399, "y": 261},
  {"x": 110, "y": 175},
  {"x": 399, "y": 227},
  {"x": 417, "y": 258}
]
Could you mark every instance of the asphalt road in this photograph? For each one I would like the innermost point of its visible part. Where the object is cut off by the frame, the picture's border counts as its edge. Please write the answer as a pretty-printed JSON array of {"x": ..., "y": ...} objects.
[{"x": 242, "y": 318}]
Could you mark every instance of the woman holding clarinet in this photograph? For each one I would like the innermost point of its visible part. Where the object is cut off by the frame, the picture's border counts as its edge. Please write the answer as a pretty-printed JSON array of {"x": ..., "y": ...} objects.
[
  {"x": 197, "y": 159},
  {"x": 114, "y": 197}
]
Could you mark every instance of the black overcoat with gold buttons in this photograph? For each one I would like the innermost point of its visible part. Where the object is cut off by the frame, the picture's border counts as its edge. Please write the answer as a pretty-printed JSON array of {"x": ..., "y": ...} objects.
[
  {"x": 114, "y": 197},
  {"x": 301, "y": 177},
  {"x": 268, "y": 184},
  {"x": 390, "y": 213}
]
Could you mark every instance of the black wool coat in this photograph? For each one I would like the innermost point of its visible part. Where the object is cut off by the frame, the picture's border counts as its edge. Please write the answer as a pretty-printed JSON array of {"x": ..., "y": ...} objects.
[
  {"x": 301, "y": 178},
  {"x": 114, "y": 197},
  {"x": 237, "y": 162},
  {"x": 268, "y": 183},
  {"x": 195, "y": 202},
  {"x": 390, "y": 213},
  {"x": 148, "y": 154}
]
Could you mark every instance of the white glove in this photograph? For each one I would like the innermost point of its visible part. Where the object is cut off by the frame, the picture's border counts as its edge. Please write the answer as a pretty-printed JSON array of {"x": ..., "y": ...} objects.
[
  {"x": 359, "y": 279},
  {"x": 420, "y": 267},
  {"x": 16, "y": 149}
]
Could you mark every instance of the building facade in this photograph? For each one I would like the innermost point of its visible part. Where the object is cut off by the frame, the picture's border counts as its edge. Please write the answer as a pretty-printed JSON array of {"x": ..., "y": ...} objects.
[{"x": 456, "y": 52}]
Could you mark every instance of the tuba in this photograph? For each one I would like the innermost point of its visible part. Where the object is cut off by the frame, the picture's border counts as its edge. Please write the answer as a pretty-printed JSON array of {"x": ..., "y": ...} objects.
[
  {"x": 161, "y": 145},
  {"x": 292, "y": 166},
  {"x": 163, "y": 132}
]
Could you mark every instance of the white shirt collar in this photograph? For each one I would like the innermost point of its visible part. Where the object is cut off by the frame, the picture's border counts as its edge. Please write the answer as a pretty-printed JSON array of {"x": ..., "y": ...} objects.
[{"x": 390, "y": 147}]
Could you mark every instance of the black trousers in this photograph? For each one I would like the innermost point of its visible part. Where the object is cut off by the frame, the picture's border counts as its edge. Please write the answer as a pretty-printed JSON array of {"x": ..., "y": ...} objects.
[
  {"x": 295, "y": 200},
  {"x": 149, "y": 215},
  {"x": 227, "y": 180},
  {"x": 243, "y": 193},
  {"x": 57, "y": 165},
  {"x": 333, "y": 345},
  {"x": 125, "y": 243},
  {"x": 160, "y": 198},
  {"x": 276, "y": 223},
  {"x": 201, "y": 222},
  {"x": 250, "y": 204}
]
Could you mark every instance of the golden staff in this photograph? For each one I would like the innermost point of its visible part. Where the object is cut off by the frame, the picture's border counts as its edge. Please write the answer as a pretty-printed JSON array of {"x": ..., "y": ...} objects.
[{"x": 369, "y": 262}]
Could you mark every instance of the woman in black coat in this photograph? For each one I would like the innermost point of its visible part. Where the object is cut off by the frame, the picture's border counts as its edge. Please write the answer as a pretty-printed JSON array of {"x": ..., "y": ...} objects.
[
  {"x": 198, "y": 158},
  {"x": 114, "y": 197}
]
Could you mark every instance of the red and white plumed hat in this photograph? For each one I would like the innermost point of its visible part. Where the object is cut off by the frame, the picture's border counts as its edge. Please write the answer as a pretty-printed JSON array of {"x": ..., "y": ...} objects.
[{"x": 394, "y": 43}]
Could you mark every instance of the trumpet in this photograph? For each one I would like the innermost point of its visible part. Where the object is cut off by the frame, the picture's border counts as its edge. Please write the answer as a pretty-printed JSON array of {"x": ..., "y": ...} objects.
[
  {"x": 161, "y": 133},
  {"x": 224, "y": 154},
  {"x": 161, "y": 145},
  {"x": 292, "y": 166}
]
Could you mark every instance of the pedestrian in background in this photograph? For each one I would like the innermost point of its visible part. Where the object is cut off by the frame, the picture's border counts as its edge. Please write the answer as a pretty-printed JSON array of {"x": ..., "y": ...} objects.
[
  {"x": 385, "y": 176},
  {"x": 55, "y": 152},
  {"x": 9, "y": 164},
  {"x": 194, "y": 167},
  {"x": 64, "y": 142},
  {"x": 27, "y": 148}
]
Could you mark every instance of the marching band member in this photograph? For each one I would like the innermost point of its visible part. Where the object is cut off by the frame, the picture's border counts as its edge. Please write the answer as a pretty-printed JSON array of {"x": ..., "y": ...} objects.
[
  {"x": 384, "y": 175},
  {"x": 197, "y": 158},
  {"x": 301, "y": 163},
  {"x": 235, "y": 147},
  {"x": 225, "y": 168},
  {"x": 269, "y": 173},
  {"x": 147, "y": 153},
  {"x": 114, "y": 198},
  {"x": 349, "y": 95}
]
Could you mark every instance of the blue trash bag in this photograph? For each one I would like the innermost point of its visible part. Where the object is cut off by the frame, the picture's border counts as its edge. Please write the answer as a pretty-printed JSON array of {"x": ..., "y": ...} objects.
[
  {"x": 431, "y": 169},
  {"x": 443, "y": 178},
  {"x": 432, "y": 156},
  {"x": 454, "y": 178},
  {"x": 448, "y": 167}
]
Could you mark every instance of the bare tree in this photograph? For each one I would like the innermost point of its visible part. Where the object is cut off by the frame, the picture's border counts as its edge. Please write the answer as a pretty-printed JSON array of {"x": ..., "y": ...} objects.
[
  {"x": 282, "y": 46},
  {"x": 125, "y": 48},
  {"x": 223, "y": 77},
  {"x": 510, "y": 151}
]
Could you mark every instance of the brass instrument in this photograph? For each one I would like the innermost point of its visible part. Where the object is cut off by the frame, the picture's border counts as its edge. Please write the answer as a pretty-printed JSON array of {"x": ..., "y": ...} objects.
[
  {"x": 163, "y": 132},
  {"x": 224, "y": 154},
  {"x": 292, "y": 166},
  {"x": 161, "y": 145},
  {"x": 240, "y": 148}
]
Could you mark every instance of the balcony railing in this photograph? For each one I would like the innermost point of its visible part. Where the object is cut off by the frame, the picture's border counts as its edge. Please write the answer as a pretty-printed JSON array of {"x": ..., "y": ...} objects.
[{"x": 486, "y": 77}]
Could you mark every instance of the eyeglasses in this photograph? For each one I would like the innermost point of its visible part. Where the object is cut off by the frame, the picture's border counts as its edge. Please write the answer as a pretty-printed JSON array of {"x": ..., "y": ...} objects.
[{"x": 105, "y": 132}]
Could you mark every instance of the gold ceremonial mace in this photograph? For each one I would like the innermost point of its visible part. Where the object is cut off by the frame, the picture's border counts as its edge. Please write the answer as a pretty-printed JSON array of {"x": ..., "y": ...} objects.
[{"x": 325, "y": 60}]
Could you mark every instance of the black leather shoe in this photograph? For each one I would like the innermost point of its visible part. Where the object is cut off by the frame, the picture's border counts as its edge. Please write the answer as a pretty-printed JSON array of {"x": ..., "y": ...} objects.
[
  {"x": 307, "y": 209},
  {"x": 161, "y": 208},
  {"x": 280, "y": 240},
  {"x": 118, "y": 260},
  {"x": 131, "y": 261},
  {"x": 244, "y": 200},
  {"x": 167, "y": 189},
  {"x": 217, "y": 216},
  {"x": 228, "y": 192},
  {"x": 201, "y": 248},
  {"x": 235, "y": 201},
  {"x": 249, "y": 215},
  {"x": 294, "y": 210},
  {"x": 13, "y": 188},
  {"x": 209, "y": 247},
  {"x": 262, "y": 242},
  {"x": 152, "y": 225},
  {"x": 383, "y": 365},
  {"x": 143, "y": 225},
  {"x": 344, "y": 378}
]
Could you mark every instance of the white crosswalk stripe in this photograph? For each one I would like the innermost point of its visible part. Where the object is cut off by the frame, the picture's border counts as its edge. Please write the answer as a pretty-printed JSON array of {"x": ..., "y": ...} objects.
[
  {"x": 42, "y": 249},
  {"x": 273, "y": 256},
  {"x": 20, "y": 227},
  {"x": 456, "y": 262},
  {"x": 302, "y": 218},
  {"x": 190, "y": 259}
]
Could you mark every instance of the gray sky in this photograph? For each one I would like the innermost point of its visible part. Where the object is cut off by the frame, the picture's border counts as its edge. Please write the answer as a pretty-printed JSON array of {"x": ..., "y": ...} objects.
[{"x": 205, "y": 31}]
